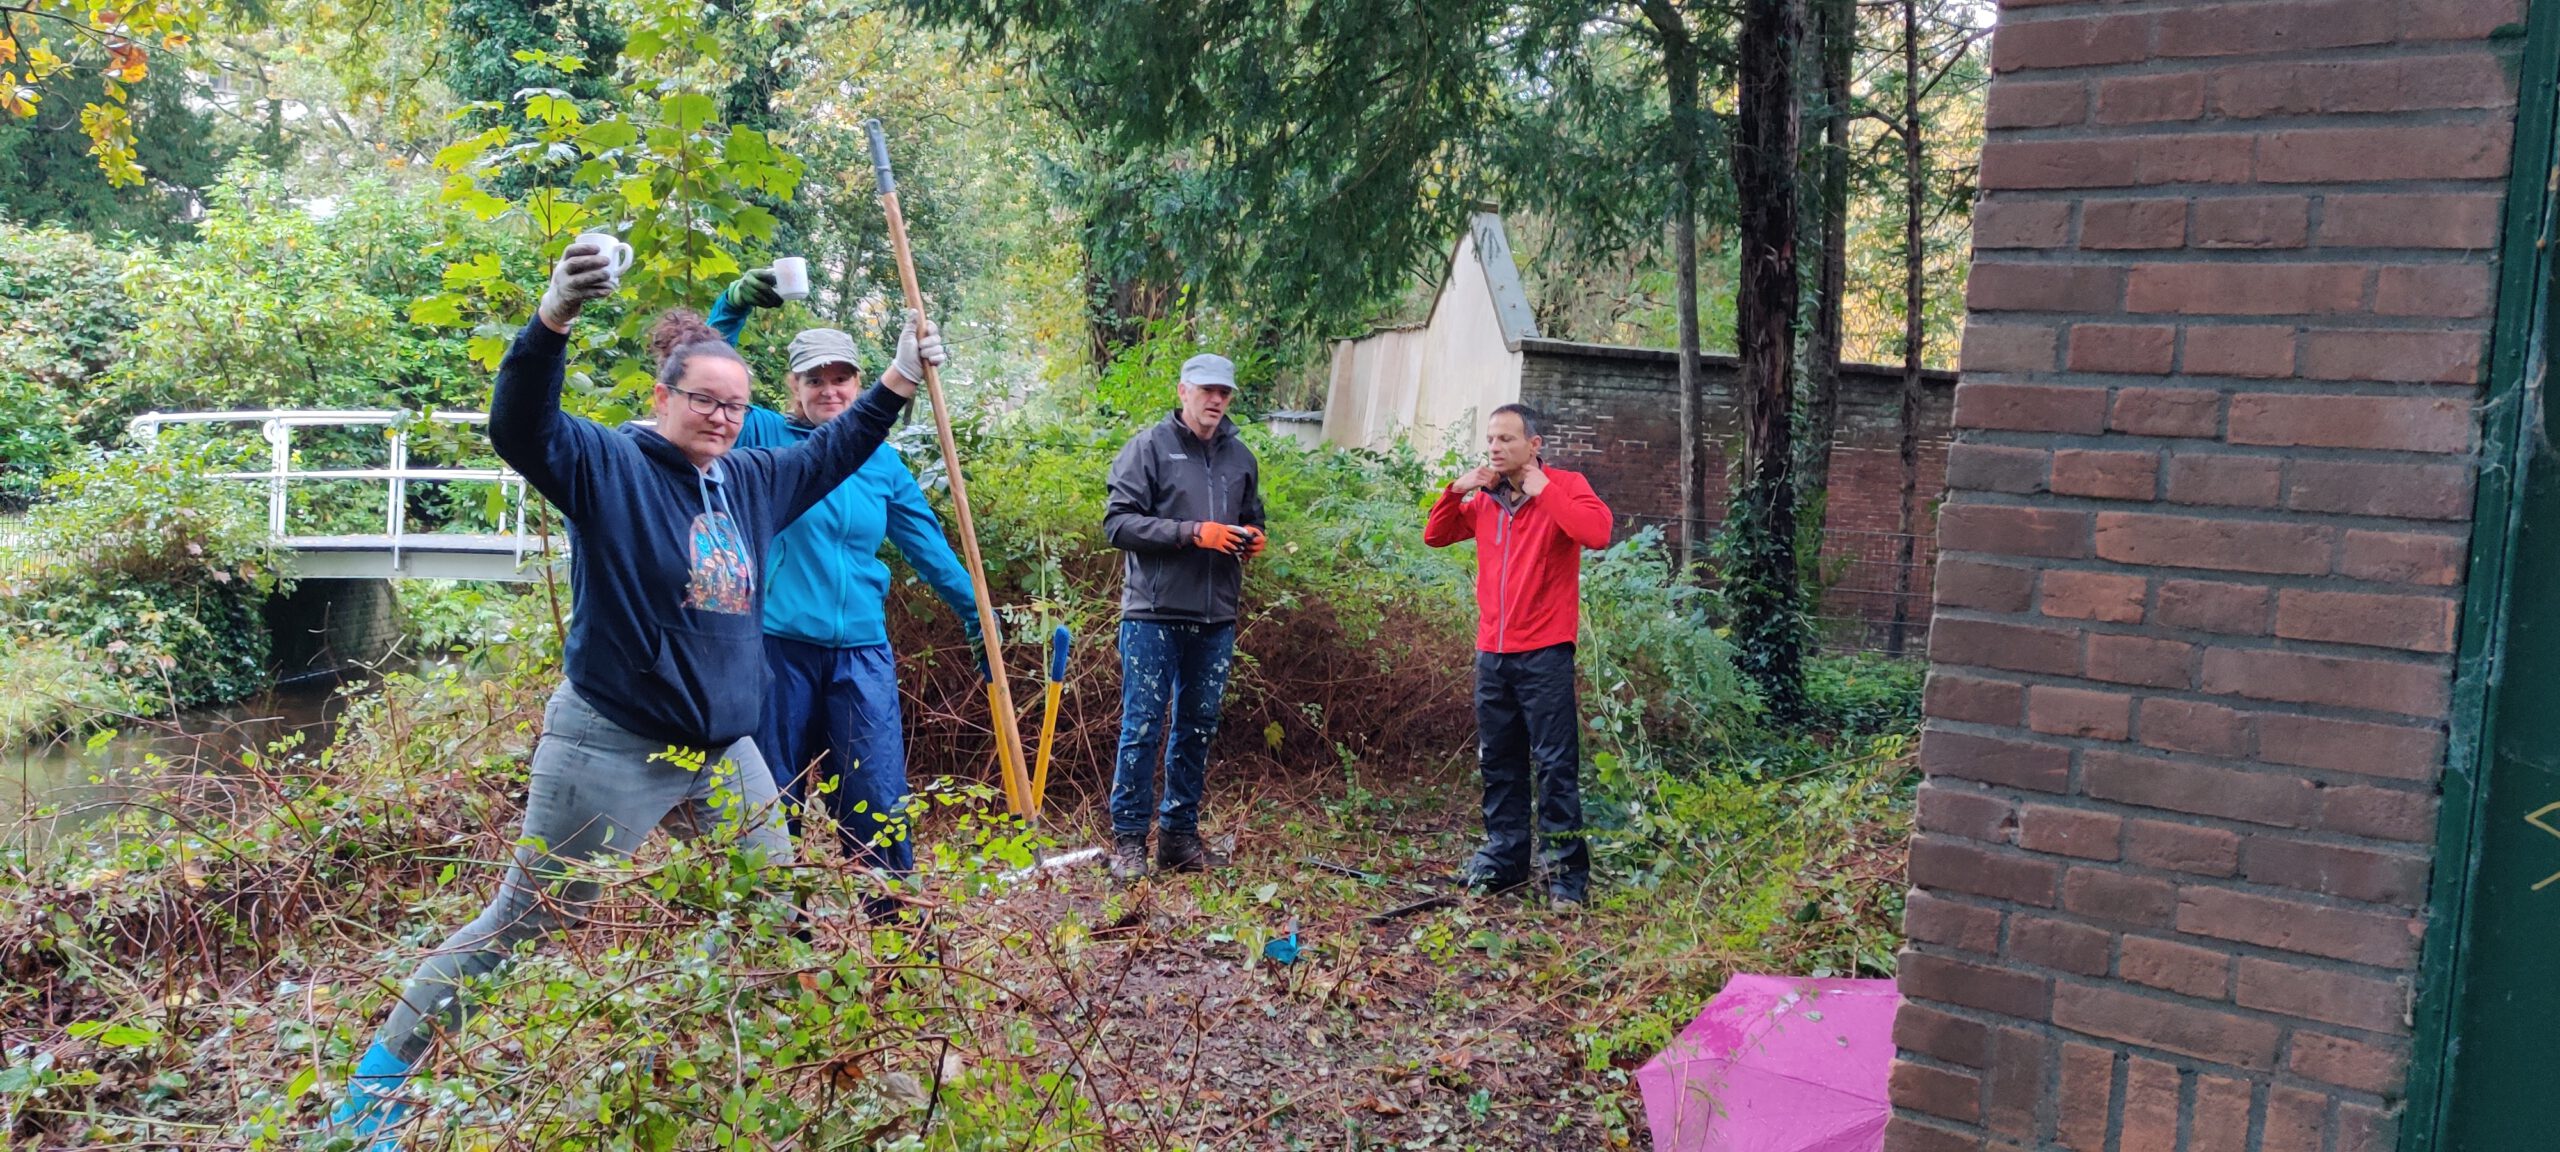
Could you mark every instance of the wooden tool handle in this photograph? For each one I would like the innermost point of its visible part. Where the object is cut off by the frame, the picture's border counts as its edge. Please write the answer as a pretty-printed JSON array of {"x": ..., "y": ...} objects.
[{"x": 1008, "y": 729}]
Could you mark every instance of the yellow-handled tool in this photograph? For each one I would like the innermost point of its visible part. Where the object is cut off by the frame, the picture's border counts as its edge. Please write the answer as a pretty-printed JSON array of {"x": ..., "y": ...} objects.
[{"x": 1058, "y": 642}]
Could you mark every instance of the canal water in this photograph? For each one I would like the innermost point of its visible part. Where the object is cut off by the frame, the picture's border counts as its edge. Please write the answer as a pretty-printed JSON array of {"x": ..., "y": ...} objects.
[{"x": 77, "y": 779}]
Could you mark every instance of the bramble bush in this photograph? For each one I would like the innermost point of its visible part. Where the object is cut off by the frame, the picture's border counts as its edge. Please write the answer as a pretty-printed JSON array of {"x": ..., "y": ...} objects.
[{"x": 157, "y": 580}]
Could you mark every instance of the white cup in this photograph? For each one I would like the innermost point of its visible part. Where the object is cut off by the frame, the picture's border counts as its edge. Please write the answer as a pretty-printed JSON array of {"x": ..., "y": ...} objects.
[
  {"x": 617, "y": 255},
  {"x": 791, "y": 277}
]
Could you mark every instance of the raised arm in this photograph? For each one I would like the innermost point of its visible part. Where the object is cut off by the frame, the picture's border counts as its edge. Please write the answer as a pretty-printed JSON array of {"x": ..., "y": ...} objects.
[
  {"x": 752, "y": 290},
  {"x": 1128, "y": 519},
  {"x": 550, "y": 448},
  {"x": 1448, "y": 521},
  {"x": 804, "y": 473},
  {"x": 917, "y": 533},
  {"x": 1578, "y": 510}
]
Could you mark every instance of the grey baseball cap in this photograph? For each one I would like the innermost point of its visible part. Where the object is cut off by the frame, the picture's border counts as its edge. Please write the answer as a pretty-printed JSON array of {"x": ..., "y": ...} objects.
[
  {"x": 1210, "y": 370},
  {"x": 823, "y": 346}
]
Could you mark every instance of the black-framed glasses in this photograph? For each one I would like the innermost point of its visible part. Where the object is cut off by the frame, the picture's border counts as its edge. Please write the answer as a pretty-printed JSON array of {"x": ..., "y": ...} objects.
[{"x": 704, "y": 404}]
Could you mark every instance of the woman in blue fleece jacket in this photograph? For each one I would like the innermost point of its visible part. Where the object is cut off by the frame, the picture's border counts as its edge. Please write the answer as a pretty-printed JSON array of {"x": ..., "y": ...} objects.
[
  {"x": 833, "y": 713},
  {"x": 667, "y": 529}
]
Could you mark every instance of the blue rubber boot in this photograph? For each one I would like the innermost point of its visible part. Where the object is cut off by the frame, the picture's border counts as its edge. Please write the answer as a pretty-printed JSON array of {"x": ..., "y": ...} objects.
[{"x": 370, "y": 1107}]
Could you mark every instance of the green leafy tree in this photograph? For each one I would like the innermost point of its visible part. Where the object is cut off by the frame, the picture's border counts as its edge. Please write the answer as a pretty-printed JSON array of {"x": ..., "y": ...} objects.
[
  {"x": 172, "y": 571},
  {"x": 1299, "y": 161},
  {"x": 112, "y": 40},
  {"x": 503, "y": 50},
  {"x": 660, "y": 170},
  {"x": 1605, "y": 83},
  {"x": 289, "y": 300},
  {"x": 47, "y": 174}
]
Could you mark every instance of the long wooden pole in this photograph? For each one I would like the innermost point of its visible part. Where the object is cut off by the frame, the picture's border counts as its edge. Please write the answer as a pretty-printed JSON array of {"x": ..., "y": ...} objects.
[{"x": 1017, "y": 785}]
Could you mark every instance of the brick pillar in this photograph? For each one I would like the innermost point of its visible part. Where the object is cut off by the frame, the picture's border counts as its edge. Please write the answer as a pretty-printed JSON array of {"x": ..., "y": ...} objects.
[{"x": 2200, "y": 566}]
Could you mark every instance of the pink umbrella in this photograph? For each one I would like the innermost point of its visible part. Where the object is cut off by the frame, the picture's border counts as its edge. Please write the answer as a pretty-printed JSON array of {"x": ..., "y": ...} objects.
[{"x": 1777, "y": 1064}]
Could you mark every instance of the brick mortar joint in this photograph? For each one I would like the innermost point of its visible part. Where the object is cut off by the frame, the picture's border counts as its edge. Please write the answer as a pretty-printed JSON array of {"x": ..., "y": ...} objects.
[
  {"x": 2186, "y": 255},
  {"x": 2095, "y": 505},
  {"x": 2154, "y": 63},
  {"x": 2198, "y": 696},
  {"x": 2198, "y": 446},
  {"x": 2254, "y": 708},
  {"x": 2289, "y": 1027},
  {"x": 2291, "y": 646},
  {"x": 2182, "y": 880}
]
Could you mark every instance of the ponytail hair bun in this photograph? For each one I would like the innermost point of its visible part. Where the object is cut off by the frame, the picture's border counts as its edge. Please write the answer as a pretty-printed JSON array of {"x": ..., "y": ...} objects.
[
  {"x": 676, "y": 328},
  {"x": 679, "y": 337}
]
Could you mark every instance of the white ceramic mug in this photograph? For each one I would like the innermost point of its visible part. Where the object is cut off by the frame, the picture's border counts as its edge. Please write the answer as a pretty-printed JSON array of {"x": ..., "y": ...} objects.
[
  {"x": 617, "y": 255},
  {"x": 791, "y": 277}
]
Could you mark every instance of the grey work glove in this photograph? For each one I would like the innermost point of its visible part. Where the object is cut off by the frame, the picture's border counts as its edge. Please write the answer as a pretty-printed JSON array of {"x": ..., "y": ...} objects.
[
  {"x": 755, "y": 289},
  {"x": 582, "y": 274},
  {"x": 914, "y": 352}
]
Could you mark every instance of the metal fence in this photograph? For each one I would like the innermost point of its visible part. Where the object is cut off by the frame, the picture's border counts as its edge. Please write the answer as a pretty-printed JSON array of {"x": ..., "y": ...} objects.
[
  {"x": 1858, "y": 585},
  {"x": 284, "y": 468},
  {"x": 22, "y": 556},
  {"x": 1864, "y": 585}
]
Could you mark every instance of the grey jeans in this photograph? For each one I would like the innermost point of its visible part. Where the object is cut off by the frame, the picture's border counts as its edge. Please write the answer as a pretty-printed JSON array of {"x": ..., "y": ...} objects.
[{"x": 595, "y": 794}]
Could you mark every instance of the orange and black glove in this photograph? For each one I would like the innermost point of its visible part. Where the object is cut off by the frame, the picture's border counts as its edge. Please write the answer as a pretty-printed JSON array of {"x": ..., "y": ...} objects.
[
  {"x": 1255, "y": 541},
  {"x": 1225, "y": 538}
]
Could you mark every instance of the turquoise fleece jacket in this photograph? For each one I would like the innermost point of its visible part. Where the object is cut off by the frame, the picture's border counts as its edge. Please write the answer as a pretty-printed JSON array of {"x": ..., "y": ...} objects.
[{"x": 825, "y": 583}]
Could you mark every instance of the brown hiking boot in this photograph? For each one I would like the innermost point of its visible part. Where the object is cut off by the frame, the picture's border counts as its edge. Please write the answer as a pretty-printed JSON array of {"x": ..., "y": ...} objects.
[
  {"x": 1185, "y": 852},
  {"x": 1129, "y": 857}
]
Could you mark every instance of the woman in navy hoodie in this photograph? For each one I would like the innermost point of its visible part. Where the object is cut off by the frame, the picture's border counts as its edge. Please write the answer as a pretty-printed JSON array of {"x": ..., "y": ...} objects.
[{"x": 665, "y": 654}]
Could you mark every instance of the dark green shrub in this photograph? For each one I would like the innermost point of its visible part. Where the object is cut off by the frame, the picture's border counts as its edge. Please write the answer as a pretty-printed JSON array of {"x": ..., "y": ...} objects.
[
  {"x": 63, "y": 317},
  {"x": 1864, "y": 694},
  {"x": 159, "y": 575}
]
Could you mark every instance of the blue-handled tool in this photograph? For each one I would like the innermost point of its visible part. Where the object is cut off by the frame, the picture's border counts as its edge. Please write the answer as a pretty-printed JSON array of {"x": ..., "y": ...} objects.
[{"x": 1058, "y": 644}]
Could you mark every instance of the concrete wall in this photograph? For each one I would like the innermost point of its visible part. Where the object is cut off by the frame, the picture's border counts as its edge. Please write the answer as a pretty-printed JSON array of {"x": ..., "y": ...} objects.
[
  {"x": 2201, "y": 563},
  {"x": 326, "y": 625}
]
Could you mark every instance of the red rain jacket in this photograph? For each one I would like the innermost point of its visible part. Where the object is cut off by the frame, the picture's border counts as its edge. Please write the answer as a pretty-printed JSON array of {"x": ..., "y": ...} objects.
[{"x": 1528, "y": 557}]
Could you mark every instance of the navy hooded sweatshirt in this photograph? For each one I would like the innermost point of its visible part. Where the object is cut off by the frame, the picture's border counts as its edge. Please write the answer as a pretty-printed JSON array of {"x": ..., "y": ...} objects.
[{"x": 667, "y": 639}]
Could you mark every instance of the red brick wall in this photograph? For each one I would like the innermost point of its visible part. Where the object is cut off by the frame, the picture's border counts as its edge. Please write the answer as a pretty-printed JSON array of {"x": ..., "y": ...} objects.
[
  {"x": 1613, "y": 413},
  {"x": 2199, "y": 573}
]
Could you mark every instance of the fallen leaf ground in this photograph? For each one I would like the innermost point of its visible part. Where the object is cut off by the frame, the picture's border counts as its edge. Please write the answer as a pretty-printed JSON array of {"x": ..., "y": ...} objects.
[{"x": 1479, "y": 1023}]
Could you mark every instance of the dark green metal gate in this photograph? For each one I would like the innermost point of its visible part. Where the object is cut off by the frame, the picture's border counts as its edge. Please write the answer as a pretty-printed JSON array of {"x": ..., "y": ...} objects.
[{"x": 2490, "y": 992}]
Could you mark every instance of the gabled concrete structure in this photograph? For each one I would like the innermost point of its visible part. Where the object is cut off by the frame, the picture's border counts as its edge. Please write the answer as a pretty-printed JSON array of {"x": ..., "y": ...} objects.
[{"x": 1434, "y": 382}]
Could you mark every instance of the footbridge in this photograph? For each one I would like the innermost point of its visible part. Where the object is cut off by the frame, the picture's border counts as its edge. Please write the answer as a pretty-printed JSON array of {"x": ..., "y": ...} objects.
[{"x": 511, "y": 553}]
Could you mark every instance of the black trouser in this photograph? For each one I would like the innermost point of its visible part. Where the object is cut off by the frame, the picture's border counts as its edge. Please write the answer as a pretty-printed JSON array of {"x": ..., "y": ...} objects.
[{"x": 1527, "y": 712}]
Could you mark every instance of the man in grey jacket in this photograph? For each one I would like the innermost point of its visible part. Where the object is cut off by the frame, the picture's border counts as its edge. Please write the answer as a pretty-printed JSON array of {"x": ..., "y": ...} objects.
[{"x": 1186, "y": 507}]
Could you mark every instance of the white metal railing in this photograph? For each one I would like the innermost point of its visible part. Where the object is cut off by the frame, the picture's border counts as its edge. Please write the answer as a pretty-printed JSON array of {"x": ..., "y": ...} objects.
[{"x": 277, "y": 425}]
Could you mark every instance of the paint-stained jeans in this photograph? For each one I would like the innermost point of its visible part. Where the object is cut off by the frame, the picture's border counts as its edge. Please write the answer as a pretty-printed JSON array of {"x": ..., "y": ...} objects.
[
  {"x": 1175, "y": 672},
  {"x": 597, "y": 790},
  {"x": 1527, "y": 716}
]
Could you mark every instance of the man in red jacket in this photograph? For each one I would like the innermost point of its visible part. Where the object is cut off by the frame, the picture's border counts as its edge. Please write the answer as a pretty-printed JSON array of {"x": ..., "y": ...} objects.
[{"x": 1530, "y": 524}]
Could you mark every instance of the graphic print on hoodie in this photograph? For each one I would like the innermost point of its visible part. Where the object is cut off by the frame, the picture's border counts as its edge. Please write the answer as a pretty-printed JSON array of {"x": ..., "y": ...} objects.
[{"x": 724, "y": 573}]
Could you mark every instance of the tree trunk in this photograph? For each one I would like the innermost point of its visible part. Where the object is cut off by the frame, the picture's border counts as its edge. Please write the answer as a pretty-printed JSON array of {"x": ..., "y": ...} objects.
[
  {"x": 1122, "y": 310},
  {"x": 1835, "y": 31},
  {"x": 1680, "y": 76},
  {"x": 1915, "y": 183},
  {"x": 1761, "y": 582}
]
